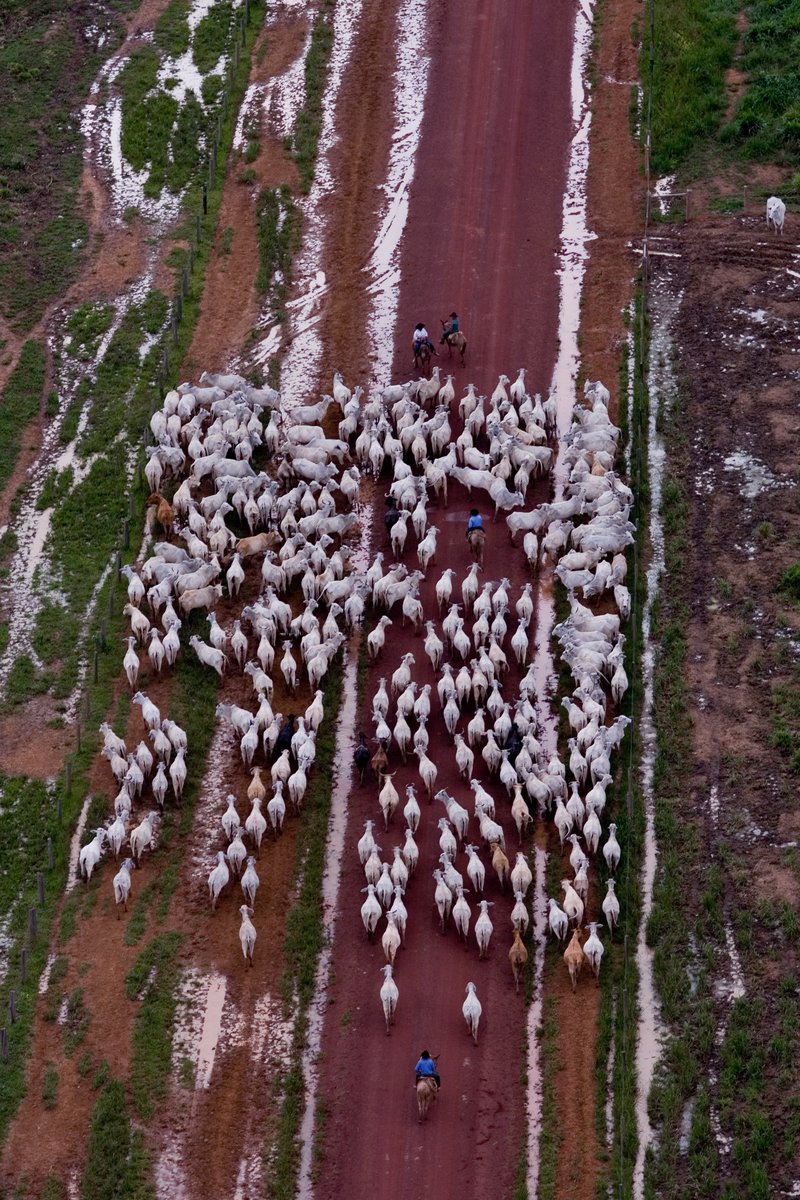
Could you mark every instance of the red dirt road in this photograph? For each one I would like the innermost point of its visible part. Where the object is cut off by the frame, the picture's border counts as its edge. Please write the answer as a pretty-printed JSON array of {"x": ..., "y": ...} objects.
[{"x": 482, "y": 237}]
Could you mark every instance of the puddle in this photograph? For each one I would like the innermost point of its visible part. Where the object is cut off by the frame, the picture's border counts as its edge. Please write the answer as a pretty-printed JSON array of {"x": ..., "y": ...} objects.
[
  {"x": 210, "y": 1035},
  {"x": 755, "y": 475},
  {"x": 75, "y": 846}
]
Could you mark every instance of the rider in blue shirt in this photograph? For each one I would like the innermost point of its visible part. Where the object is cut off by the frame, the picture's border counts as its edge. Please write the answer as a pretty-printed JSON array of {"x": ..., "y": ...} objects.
[
  {"x": 450, "y": 328},
  {"x": 426, "y": 1068},
  {"x": 475, "y": 521}
]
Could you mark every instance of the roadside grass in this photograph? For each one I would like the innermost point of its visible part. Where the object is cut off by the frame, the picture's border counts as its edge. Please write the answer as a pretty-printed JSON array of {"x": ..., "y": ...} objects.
[
  {"x": 118, "y": 1165},
  {"x": 305, "y": 141},
  {"x": 48, "y": 59},
  {"x": 171, "y": 32},
  {"x": 766, "y": 121},
  {"x": 85, "y": 327},
  {"x": 20, "y": 402},
  {"x": 153, "y": 981},
  {"x": 694, "y": 42},
  {"x": 278, "y": 222},
  {"x": 50, "y": 1086},
  {"x": 552, "y": 1132},
  {"x": 194, "y": 697}
]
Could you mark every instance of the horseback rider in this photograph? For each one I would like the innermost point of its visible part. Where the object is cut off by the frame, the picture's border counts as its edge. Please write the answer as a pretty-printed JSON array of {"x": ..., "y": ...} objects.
[
  {"x": 392, "y": 514},
  {"x": 422, "y": 338},
  {"x": 361, "y": 755},
  {"x": 426, "y": 1069},
  {"x": 475, "y": 522},
  {"x": 449, "y": 328}
]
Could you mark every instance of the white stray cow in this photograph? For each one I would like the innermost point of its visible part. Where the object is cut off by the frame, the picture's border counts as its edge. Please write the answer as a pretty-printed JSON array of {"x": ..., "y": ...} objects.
[{"x": 776, "y": 214}]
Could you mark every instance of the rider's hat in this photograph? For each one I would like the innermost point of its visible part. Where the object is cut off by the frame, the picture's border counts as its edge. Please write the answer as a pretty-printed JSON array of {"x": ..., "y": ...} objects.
[{"x": 425, "y": 1054}]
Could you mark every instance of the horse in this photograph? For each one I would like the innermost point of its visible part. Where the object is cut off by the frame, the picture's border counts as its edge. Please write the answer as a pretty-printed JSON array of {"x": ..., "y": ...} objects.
[
  {"x": 456, "y": 341},
  {"x": 476, "y": 539},
  {"x": 422, "y": 357},
  {"x": 427, "y": 1091}
]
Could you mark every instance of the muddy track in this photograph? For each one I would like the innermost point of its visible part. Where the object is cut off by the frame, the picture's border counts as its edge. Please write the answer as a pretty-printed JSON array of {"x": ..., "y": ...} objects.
[{"x": 482, "y": 235}]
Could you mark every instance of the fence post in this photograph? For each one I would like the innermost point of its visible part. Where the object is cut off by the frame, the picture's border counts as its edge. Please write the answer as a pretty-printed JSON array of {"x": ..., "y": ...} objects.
[
  {"x": 40, "y": 886},
  {"x": 4, "y": 1044},
  {"x": 50, "y": 860},
  {"x": 12, "y": 1006},
  {"x": 23, "y": 965},
  {"x": 185, "y": 281}
]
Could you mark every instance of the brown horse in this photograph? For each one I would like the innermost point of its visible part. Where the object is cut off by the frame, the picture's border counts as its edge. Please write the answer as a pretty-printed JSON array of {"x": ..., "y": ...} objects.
[
  {"x": 427, "y": 1091},
  {"x": 456, "y": 341},
  {"x": 476, "y": 539},
  {"x": 165, "y": 513},
  {"x": 422, "y": 357}
]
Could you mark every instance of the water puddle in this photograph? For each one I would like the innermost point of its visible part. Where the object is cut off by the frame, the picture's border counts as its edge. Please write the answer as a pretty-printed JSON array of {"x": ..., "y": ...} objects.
[
  {"x": 210, "y": 1036},
  {"x": 75, "y": 846}
]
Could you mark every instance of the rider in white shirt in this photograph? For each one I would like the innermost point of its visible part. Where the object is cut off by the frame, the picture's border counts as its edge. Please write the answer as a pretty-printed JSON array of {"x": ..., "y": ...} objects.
[{"x": 422, "y": 338}]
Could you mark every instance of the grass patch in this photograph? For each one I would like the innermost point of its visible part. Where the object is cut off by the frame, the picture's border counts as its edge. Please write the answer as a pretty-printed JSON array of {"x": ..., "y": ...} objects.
[
  {"x": 171, "y": 32},
  {"x": 49, "y": 55},
  {"x": 153, "y": 981},
  {"x": 305, "y": 142},
  {"x": 118, "y": 1167},
  {"x": 76, "y": 1022},
  {"x": 694, "y": 41},
  {"x": 50, "y": 1086},
  {"x": 86, "y": 327},
  {"x": 19, "y": 404},
  {"x": 278, "y": 222},
  {"x": 212, "y": 36}
]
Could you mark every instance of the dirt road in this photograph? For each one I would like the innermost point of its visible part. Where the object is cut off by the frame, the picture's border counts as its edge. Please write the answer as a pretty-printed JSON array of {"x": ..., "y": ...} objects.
[{"x": 497, "y": 123}]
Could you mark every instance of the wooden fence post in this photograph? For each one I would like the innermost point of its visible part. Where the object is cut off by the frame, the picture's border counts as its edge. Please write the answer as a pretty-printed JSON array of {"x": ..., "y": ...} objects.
[
  {"x": 4, "y": 1044},
  {"x": 23, "y": 965},
  {"x": 40, "y": 886}
]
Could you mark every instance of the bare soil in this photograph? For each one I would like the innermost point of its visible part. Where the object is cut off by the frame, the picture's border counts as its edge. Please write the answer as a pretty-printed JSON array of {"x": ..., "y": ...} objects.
[{"x": 738, "y": 361}]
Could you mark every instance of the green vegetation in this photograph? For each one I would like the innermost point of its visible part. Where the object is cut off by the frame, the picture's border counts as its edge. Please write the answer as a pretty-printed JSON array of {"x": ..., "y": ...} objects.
[
  {"x": 212, "y": 36},
  {"x": 153, "y": 980},
  {"x": 694, "y": 42},
  {"x": 76, "y": 1021},
  {"x": 550, "y": 1140},
  {"x": 161, "y": 135},
  {"x": 118, "y": 1167},
  {"x": 50, "y": 1086},
  {"x": 309, "y": 119},
  {"x": 20, "y": 402},
  {"x": 790, "y": 582},
  {"x": 123, "y": 381},
  {"x": 85, "y": 327},
  {"x": 49, "y": 55},
  {"x": 278, "y": 222},
  {"x": 171, "y": 33}
]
